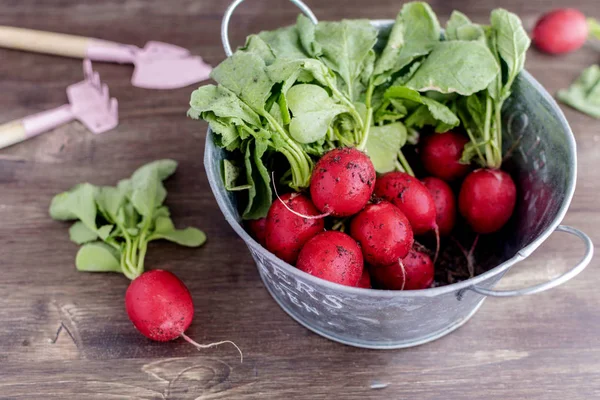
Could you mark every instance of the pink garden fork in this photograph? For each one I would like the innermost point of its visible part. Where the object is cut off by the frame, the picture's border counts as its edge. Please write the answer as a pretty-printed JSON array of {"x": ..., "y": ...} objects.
[{"x": 89, "y": 102}]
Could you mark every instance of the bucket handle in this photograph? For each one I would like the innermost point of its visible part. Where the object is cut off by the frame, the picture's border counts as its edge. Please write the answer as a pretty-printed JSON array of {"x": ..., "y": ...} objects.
[
  {"x": 589, "y": 252},
  {"x": 227, "y": 16}
]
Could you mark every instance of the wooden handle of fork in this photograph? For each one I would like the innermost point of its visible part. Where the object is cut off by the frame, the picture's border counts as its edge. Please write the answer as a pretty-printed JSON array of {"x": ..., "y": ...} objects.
[
  {"x": 17, "y": 131},
  {"x": 44, "y": 42},
  {"x": 12, "y": 133}
]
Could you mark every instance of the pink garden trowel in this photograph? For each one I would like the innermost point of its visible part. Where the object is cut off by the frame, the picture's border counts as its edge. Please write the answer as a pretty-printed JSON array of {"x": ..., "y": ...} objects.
[
  {"x": 89, "y": 102},
  {"x": 157, "y": 66}
]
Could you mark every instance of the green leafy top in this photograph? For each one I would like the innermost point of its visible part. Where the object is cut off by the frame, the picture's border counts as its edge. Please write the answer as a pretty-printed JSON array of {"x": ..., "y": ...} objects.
[
  {"x": 456, "y": 67},
  {"x": 344, "y": 47},
  {"x": 115, "y": 224},
  {"x": 313, "y": 112},
  {"x": 511, "y": 42},
  {"x": 480, "y": 114},
  {"x": 415, "y": 33},
  {"x": 460, "y": 27},
  {"x": 301, "y": 90}
]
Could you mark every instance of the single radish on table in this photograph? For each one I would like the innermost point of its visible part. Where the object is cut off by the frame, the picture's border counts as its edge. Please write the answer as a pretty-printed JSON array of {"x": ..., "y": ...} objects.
[
  {"x": 157, "y": 302},
  {"x": 487, "y": 199},
  {"x": 441, "y": 153},
  {"x": 384, "y": 233},
  {"x": 257, "y": 229},
  {"x": 563, "y": 30},
  {"x": 286, "y": 231},
  {"x": 333, "y": 256},
  {"x": 365, "y": 280},
  {"x": 413, "y": 272},
  {"x": 445, "y": 204},
  {"x": 413, "y": 199},
  {"x": 342, "y": 182},
  {"x": 161, "y": 308}
]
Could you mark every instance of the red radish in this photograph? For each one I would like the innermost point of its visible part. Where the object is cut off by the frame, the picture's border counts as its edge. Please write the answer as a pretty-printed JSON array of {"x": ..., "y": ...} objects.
[
  {"x": 487, "y": 199},
  {"x": 560, "y": 31},
  {"x": 413, "y": 272},
  {"x": 285, "y": 231},
  {"x": 445, "y": 204},
  {"x": 365, "y": 280},
  {"x": 411, "y": 197},
  {"x": 161, "y": 308},
  {"x": 159, "y": 305},
  {"x": 342, "y": 182},
  {"x": 441, "y": 153},
  {"x": 257, "y": 229},
  {"x": 383, "y": 232},
  {"x": 333, "y": 256}
]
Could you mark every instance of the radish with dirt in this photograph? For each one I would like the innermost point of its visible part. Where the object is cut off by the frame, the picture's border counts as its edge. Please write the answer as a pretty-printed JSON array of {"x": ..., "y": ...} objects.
[
  {"x": 441, "y": 154},
  {"x": 333, "y": 256},
  {"x": 342, "y": 182},
  {"x": 289, "y": 225},
  {"x": 384, "y": 233},
  {"x": 258, "y": 229},
  {"x": 413, "y": 199},
  {"x": 487, "y": 199},
  {"x": 365, "y": 280},
  {"x": 445, "y": 204},
  {"x": 413, "y": 272}
]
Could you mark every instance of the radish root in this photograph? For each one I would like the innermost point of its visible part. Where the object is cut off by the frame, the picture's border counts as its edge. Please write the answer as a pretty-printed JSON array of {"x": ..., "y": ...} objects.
[
  {"x": 469, "y": 255},
  {"x": 437, "y": 243},
  {"x": 403, "y": 273},
  {"x": 206, "y": 346},
  {"x": 470, "y": 258},
  {"x": 292, "y": 211}
]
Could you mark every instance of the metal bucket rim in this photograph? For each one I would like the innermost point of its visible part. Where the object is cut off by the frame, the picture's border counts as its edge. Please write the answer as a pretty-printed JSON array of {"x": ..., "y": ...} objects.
[{"x": 430, "y": 292}]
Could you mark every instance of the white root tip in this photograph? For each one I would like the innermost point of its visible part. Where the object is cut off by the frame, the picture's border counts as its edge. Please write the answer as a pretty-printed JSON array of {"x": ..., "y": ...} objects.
[
  {"x": 207, "y": 346},
  {"x": 289, "y": 209},
  {"x": 403, "y": 273}
]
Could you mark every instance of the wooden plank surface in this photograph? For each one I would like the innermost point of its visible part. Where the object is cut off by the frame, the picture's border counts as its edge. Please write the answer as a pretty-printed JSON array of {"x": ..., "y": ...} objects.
[{"x": 539, "y": 347}]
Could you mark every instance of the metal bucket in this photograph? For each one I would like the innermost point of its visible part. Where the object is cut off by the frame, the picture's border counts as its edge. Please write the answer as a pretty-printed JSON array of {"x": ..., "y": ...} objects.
[{"x": 544, "y": 168}]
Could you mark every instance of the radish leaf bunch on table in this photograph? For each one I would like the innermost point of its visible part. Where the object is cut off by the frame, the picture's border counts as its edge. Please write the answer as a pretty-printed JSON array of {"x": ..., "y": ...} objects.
[
  {"x": 114, "y": 224},
  {"x": 584, "y": 93}
]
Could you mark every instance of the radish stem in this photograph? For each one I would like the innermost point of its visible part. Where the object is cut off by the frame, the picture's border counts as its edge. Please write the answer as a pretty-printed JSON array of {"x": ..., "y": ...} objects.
[{"x": 405, "y": 165}]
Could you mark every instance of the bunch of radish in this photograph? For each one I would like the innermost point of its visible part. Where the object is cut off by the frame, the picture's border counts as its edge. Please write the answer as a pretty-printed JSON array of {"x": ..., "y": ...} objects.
[{"x": 384, "y": 215}]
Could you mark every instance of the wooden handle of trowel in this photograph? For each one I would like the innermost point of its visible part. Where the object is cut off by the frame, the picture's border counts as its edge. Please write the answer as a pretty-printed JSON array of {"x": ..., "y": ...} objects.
[
  {"x": 44, "y": 42},
  {"x": 12, "y": 133},
  {"x": 61, "y": 44}
]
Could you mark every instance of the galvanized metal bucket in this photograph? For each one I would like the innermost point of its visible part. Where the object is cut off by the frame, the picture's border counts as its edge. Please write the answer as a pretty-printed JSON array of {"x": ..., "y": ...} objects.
[{"x": 544, "y": 167}]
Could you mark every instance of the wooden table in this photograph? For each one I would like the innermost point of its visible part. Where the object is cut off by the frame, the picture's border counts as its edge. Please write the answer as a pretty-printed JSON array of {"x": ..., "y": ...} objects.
[{"x": 539, "y": 347}]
